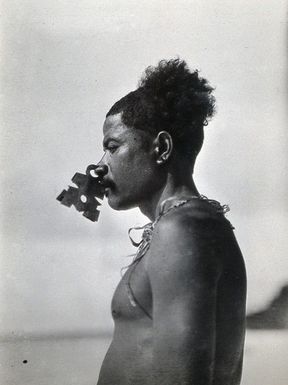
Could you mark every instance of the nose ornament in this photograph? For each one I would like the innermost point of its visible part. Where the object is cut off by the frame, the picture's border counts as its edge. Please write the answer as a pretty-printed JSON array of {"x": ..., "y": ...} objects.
[
  {"x": 99, "y": 170},
  {"x": 83, "y": 197}
]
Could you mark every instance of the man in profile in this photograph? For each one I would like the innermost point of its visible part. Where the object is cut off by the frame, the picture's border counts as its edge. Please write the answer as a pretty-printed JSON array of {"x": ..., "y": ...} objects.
[{"x": 179, "y": 310}]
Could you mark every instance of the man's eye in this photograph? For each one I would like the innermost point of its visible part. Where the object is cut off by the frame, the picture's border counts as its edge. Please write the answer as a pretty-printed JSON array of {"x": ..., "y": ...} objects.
[{"x": 112, "y": 148}]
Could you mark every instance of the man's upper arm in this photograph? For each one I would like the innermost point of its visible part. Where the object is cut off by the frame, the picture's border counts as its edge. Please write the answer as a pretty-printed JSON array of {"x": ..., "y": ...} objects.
[
  {"x": 183, "y": 274},
  {"x": 185, "y": 261}
]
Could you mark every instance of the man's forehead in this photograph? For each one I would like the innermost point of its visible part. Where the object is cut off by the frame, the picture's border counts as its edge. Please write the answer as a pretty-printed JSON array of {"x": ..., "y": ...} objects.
[{"x": 113, "y": 126}]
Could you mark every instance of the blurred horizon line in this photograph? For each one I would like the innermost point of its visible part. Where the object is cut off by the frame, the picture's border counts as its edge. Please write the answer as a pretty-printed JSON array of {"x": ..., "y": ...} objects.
[{"x": 58, "y": 334}]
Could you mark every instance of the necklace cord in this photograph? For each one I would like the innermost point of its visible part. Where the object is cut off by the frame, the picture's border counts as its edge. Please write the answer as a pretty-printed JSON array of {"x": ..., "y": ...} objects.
[{"x": 144, "y": 245}]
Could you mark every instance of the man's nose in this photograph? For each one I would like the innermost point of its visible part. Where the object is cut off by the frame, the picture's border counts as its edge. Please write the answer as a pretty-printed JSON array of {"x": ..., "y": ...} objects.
[
  {"x": 101, "y": 169},
  {"x": 98, "y": 170}
]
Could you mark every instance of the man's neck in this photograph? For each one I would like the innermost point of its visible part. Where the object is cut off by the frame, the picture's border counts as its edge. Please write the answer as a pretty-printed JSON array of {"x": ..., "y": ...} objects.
[{"x": 172, "y": 188}]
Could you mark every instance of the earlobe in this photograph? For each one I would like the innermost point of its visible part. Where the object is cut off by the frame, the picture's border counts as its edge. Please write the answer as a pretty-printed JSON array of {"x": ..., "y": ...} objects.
[
  {"x": 162, "y": 158},
  {"x": 163, "y": 147}
]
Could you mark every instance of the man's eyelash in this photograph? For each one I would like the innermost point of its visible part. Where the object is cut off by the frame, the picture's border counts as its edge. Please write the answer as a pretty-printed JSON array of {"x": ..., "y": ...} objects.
[{"x": 111, "y": 148}]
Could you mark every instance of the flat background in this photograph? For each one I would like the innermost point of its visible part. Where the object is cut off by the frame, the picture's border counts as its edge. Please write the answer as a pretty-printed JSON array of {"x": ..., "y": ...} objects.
[{"x": 63, "y": 64}]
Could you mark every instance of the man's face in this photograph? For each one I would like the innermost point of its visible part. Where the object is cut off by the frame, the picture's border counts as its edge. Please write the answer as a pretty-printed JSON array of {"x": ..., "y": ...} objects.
[{"x": 132, "y": 175}]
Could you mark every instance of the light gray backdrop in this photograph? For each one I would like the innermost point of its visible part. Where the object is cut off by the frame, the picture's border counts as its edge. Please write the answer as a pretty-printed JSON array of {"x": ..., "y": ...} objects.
[{"x": 63, "y": 65}]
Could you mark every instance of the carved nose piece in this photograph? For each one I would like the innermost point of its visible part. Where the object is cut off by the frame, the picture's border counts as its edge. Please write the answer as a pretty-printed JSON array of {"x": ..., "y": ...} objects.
[{"x": 97, "y": 171}]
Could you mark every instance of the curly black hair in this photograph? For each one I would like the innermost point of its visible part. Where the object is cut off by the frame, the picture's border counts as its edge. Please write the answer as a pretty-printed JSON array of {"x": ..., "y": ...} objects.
[{"x": 170, "y": 97}]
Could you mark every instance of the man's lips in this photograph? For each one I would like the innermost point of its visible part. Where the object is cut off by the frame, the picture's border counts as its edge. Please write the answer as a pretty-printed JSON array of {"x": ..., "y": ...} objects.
[
  {"x": 106, "y": 183},
  {"x": 107, "y": 186},
  {"x": 106, "y": 191}
]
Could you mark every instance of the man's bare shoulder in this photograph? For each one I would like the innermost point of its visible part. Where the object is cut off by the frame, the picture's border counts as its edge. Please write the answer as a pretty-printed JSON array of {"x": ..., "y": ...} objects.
[
  {"x": 188, "y": 237},
  {"x": 196, "y": 219}
]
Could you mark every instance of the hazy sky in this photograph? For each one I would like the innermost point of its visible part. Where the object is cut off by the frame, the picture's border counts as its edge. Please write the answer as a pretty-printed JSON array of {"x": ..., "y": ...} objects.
[{"x": 63, "y": 65}]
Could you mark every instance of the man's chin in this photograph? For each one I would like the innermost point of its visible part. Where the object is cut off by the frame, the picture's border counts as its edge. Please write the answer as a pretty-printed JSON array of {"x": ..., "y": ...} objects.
[{"x": 119, "y": 204}]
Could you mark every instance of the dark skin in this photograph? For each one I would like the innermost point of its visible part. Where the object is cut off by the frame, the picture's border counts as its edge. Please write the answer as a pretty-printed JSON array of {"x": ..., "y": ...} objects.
[{"x": 191, "y": 283}]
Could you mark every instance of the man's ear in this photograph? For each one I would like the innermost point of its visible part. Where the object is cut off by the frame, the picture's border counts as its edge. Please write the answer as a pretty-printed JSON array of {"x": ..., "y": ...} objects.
[{"x": 163, "y": 147}]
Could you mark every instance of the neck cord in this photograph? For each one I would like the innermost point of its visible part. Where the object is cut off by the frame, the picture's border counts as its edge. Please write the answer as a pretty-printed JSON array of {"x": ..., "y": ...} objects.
[{"x": 144, "y": 244}]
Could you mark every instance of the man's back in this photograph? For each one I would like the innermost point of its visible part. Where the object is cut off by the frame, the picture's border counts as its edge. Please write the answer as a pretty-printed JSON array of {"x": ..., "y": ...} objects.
[{"x": 179, "y": 311}]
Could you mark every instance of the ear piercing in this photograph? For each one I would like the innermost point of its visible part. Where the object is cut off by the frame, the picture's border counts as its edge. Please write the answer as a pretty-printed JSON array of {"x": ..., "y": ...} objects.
[{"x": 162, "y": 159}]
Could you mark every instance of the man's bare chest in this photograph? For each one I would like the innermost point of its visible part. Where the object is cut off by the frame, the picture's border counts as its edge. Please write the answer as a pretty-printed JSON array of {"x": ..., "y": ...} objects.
[{"x": 133, "y": 297}]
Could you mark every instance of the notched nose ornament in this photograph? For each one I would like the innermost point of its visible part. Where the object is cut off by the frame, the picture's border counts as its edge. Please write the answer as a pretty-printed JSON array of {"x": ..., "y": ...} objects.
[{"x": 83, "y": 197}]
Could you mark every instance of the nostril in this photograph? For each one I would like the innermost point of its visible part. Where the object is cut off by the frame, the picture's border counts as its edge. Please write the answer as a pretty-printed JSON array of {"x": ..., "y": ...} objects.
[{"x": 101, "y": 170}]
